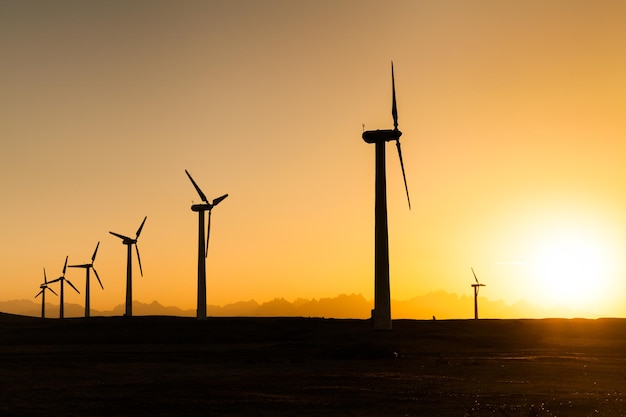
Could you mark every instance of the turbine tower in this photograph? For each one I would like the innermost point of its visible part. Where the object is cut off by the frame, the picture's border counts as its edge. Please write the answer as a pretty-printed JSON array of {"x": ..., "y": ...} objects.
[
  {"x": 381, "y": 314},
  {"x": 129, "y": 266},
  {"x": 62, "y": 279},
  {"x": 44, "y": 287},
  {"x": 476, "y": 288},
  {"x": 89, "y": 267},
  {"x": 202, "y": 248}
]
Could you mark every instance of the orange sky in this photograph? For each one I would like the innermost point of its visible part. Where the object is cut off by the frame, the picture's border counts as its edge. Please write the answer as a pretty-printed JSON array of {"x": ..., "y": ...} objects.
[{"x": 514, "y": 147}]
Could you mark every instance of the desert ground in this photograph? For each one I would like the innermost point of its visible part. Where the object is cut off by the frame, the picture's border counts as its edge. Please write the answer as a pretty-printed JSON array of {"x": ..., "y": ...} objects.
[{"x": 171, "y": 366}]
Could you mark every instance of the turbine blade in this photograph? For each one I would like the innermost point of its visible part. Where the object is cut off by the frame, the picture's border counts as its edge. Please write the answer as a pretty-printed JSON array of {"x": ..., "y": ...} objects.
[
  {"x": 65, "y": 265},
  {"x": 475, "y": 276},
  {"x": 140, "y": 227},
  {"x": 138, "y": 259},
  {"x": 55, "y": 280},
  {"x": 406, "y": 187},
  {"x": 48, "y": 288},
  {"x": 93, "y": 258},
  {"x": 120, "y": 236},
  {"x": 208, "y": 233},
  {"x": 394, "y": 108},
  {"x": 39, "y": 293},
  {"x": 45, "y": 280},
  {"x": 72, "y": 285},
  {"x": 219, "y": 200},
  {"x": 97, "y": 276},
  {"x": 202, "y": 196}
]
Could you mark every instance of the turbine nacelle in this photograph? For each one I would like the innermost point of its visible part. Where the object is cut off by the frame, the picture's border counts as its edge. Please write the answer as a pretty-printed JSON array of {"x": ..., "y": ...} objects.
[
  {"x": 128, "y": 241},
  {"x": 90, "y": 265},
  {"x": 62, "y": 279},
  {"x": 478, "y": 284},
  {"x": 80, "y": 266},
  {"x": 205, "y": 206},
  {"x": 44, "y": 286},
  {"x": 382, "y": 135},
  {"x": 201, "y": 207},
  {"x": 208, "y": 206},
  {"x": 125, "y": 239}
]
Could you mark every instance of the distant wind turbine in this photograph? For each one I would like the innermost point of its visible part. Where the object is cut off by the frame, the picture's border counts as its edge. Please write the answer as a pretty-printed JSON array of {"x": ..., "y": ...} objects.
[
  {"x": 476, "y": 288},
  {"x": 44, "y": 287},
  {"x": 62, "y": 279},
  {"x": 89, "y": 267},
  {"x": 202, "y": 248},
  {"x": 129, "y": 266},
  {"x": 381, "y": 314}
]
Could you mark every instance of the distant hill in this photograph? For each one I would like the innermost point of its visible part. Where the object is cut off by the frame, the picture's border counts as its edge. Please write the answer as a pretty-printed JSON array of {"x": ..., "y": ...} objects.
[
  {"x": 444, "y": 305},
  {"x": 343, "y": 306},
  {"x": 441, "y": 305},
  {"x": 30, "y": 308}
]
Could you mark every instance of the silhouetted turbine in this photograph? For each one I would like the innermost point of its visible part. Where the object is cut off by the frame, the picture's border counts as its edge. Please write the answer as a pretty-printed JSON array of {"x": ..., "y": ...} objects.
[
  {"x": 202, "y": 248},
  {"x": 129, "y": 266},
  {"x": 476, "y": 288},
  {"x": 381, "y": 314},
  {"x": 44, "y": 287},
  {"x": 62, "y": 279},
  {"x": 89, "y": 267}
]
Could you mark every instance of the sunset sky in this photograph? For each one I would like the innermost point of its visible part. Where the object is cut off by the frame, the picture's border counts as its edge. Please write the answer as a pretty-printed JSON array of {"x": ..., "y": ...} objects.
[{"x": 514, "y": 146}]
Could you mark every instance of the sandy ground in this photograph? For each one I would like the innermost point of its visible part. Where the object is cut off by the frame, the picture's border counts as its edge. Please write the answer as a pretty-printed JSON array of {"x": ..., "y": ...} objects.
[{"x": 165, "y": 366}]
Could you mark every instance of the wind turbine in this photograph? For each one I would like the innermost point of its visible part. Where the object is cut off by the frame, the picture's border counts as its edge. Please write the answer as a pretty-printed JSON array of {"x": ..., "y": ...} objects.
[
  {"x": 62, "y": 279},
  {"x": 476, "y": 288},
  {"x": 44, "y": 287},
  {"x": 89, "y": 267},
  {"x": 202, "y": 249},
  {"x": 381, "y": 314},
  {"x": 129, "y": 266}
]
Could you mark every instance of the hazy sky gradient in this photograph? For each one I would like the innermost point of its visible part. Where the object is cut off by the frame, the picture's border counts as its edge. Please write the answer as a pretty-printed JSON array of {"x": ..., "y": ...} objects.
[{"x": 514, "y": 147}]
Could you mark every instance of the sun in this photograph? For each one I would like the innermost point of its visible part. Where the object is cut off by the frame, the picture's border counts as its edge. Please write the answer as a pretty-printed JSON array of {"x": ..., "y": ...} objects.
[{"x": 572, "y": 270}]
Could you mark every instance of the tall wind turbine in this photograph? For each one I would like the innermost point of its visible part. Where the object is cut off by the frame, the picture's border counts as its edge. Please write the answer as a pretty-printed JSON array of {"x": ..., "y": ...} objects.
[
  {"x": 381, "y": 314},
  {"x": 62, "y": 279},
  {"x": 129, "y": 266},
  {"x": 89, "y": 267},
  {"x": 476, "y": 288},
  {"x": 202, "y": 249},
  {"x": 44, "y": 287}
]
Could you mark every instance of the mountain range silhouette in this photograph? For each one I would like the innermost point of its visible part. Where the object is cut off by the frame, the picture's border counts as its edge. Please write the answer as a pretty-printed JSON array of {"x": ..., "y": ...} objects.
[{"x": 440, "y": 304}]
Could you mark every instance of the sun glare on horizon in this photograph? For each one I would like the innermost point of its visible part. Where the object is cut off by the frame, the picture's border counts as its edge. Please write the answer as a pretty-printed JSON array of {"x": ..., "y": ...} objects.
[{"x": 573, "y": 270}]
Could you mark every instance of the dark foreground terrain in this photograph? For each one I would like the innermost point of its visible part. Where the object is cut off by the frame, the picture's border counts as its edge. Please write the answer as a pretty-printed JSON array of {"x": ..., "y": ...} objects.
[{"x": 165, "y": 366}]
